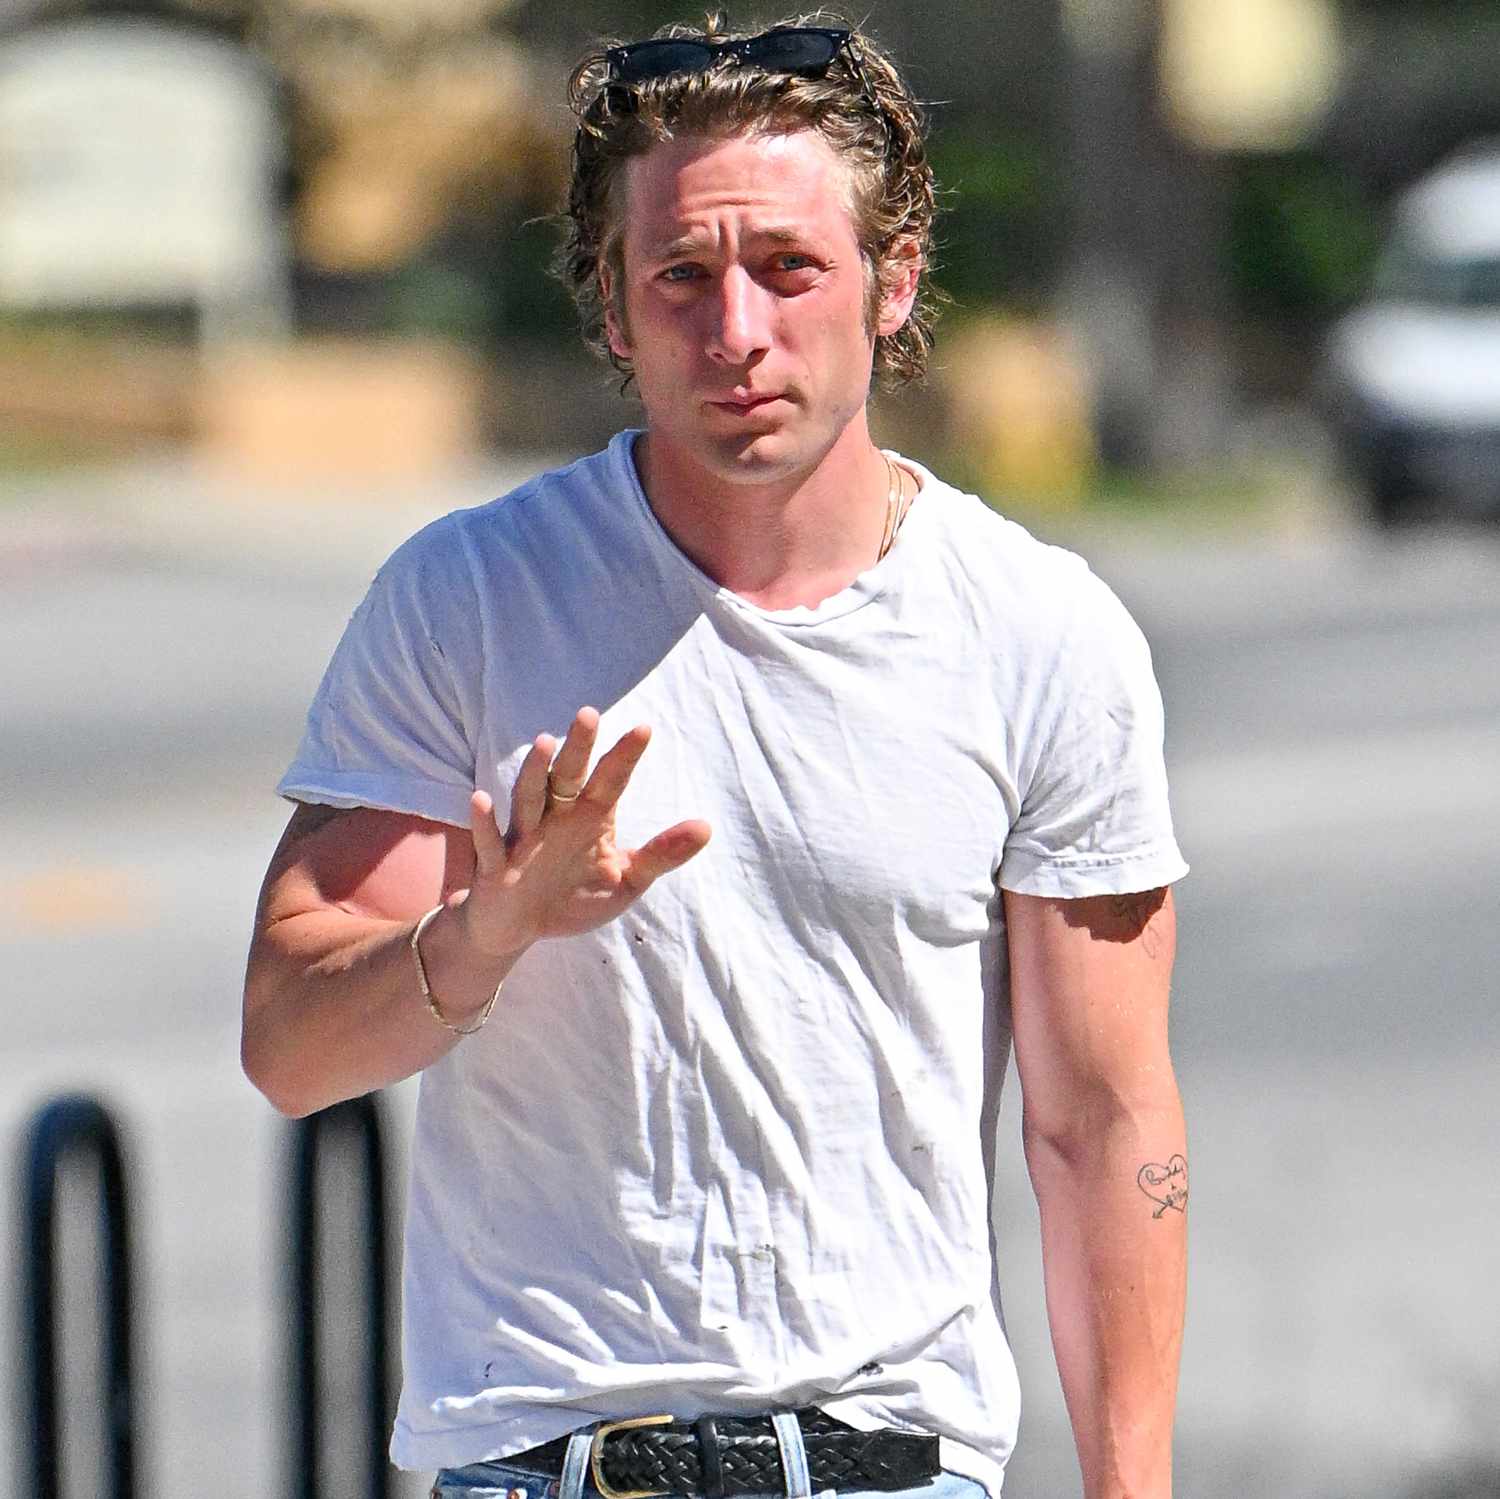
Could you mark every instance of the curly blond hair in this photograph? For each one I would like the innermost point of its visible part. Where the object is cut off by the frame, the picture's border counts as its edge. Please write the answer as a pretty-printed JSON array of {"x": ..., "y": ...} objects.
[{"x": 861, "y": 106}]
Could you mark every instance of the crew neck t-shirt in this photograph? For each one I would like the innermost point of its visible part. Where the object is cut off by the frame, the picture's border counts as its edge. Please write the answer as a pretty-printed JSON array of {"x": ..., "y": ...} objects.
[{"x": 733, "y": 1151}]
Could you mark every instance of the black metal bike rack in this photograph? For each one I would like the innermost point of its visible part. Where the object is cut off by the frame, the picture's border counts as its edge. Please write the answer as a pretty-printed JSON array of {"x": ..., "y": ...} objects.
[
  {"x": 73, "y": 1126},
  {"x": 356, "y": 1122}
]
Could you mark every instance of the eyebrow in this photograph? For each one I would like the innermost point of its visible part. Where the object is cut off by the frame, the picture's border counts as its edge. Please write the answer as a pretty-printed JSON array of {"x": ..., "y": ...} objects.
[{"x": 687, "y": 244}]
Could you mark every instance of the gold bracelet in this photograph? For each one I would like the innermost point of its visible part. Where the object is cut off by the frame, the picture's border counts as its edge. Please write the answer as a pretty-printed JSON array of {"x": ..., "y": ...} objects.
[{"x": 432, "y": 1005}]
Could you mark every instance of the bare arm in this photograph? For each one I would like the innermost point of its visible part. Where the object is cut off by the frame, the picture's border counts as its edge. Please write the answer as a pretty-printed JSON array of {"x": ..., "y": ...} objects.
[
  {"x": 332, "y": 1005},
  {"x": 1106, "y": 1149}
]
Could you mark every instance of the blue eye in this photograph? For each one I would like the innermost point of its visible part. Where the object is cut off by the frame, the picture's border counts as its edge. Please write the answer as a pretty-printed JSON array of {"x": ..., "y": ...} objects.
[{"x": 794, "y": 263}]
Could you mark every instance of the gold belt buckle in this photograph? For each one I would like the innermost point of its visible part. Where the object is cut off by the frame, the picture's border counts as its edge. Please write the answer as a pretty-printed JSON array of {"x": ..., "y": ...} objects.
[{"x": 596, "y": 1452}]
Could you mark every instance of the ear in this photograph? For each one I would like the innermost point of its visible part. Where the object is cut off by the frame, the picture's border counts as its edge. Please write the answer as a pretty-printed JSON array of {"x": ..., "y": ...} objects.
[
  {"x": 614, "y": 322},
  {"x": 900, "y": 272}
]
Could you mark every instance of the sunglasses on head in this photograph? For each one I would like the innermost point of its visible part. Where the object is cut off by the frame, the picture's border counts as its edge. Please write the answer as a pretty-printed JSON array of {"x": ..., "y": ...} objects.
[{"x": 807, "y": 51}]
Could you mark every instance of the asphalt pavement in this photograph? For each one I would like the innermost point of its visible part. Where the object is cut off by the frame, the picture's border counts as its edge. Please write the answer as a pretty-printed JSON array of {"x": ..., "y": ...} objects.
[{"x": 1334, "y": 742}]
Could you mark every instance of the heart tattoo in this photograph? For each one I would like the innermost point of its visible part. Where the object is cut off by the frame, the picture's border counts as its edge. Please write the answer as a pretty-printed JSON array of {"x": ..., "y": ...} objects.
[{"x": 1167, "y": 1186}]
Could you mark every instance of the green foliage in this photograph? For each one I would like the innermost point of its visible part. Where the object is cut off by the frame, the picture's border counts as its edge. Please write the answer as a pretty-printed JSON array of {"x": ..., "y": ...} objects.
[
  {"x": 1000, "y": 225},
  {"x": 50, "y": 328},
  {"x": 487, "y": 286},
  {"x": 575, "y": 25},
  {"x": 530, "y": 301},
  {"x": 1302, "y": 237},
  {"x": 1439, "y": 12},
  {"x": 27, "y": 454},
  {"x": 441, "y": 300}
]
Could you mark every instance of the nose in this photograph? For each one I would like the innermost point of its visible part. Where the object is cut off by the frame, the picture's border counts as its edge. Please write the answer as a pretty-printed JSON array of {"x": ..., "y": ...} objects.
[{"x": 739, "y": 313}]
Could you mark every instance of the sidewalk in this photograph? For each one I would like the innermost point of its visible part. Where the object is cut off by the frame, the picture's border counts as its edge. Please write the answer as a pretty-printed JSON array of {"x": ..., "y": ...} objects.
[{"x": 171, "y": 505}]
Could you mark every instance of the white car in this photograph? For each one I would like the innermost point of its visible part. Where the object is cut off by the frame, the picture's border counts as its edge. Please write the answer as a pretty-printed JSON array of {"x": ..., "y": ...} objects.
[{"x": 1415, "y": 370}]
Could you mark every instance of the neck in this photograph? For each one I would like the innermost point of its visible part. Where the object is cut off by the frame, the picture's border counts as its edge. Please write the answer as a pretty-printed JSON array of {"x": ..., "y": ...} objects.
[{"x": 794, "y": 538}]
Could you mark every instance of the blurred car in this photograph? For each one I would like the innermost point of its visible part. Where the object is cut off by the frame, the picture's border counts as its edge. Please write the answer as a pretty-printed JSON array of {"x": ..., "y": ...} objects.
[{"x": 1413, "y": 373}]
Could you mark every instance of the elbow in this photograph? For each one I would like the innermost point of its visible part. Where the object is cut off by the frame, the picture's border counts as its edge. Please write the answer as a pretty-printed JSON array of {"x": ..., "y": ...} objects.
[
  {"x": 268, "y": 1057},
  {"x": 1052, "y": 1142},
  {"x": 275, "y": 1081},
  {"x": 1086, "y": 1124},
  {"x": 283, "y": 1096}
]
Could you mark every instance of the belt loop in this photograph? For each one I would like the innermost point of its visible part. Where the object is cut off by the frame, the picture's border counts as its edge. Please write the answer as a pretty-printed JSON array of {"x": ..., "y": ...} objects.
[
  {"x": 793, "y": 1455},
  {"x": 710, "y": 1457},
  {"x": 576, "y": 1462}
]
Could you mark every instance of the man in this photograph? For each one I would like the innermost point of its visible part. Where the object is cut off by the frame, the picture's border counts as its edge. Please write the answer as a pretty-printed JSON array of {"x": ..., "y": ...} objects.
[{"x": 714, "y": 1158}]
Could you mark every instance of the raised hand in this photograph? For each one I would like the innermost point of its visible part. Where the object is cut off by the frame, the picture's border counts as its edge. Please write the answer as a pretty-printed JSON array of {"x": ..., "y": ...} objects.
[{"x": 557, "y": 870}]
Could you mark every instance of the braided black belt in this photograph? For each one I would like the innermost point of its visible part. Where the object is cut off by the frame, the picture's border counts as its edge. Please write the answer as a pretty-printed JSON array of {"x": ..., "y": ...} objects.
[{"x": 718, "y": 1457}]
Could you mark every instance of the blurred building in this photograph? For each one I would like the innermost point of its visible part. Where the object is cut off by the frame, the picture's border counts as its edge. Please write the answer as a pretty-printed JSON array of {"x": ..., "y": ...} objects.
[{"x": 1166, "y": 201}]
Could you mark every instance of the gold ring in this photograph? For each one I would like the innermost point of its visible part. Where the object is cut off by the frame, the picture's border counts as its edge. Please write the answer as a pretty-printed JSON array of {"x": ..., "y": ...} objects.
[{"x": 565, "y": 797}]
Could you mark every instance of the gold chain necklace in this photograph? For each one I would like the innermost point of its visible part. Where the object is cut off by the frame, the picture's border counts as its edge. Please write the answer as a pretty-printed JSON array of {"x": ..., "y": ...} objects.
[{"x": 896, "y": 506}]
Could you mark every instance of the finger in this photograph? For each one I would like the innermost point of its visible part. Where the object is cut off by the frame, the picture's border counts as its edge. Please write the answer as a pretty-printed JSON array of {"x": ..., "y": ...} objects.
[
  {"x": 612, "y": 773},
  {"x": 489, "y": 846},
  {"x": 528, "y": 798},
  {"x": 571, "y": 767},
  {"x": 665, "y": 852}
]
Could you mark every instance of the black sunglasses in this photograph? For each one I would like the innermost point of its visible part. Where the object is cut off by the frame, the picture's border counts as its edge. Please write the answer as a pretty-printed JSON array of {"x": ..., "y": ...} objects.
[{"x": 807, "y": 51}]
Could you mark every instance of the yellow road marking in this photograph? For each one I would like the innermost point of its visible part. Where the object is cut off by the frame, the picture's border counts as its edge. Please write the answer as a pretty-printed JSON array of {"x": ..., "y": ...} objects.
[{"x": 74, "y": 898}]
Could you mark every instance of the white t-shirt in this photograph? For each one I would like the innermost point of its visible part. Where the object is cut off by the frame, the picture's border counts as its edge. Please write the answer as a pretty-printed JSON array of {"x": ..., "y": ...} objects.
[{"x": 733, "y": 1151}]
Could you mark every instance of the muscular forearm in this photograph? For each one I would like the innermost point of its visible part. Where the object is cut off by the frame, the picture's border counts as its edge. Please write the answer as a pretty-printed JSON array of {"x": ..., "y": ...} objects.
[
  {"x": 333, "y": 1002},
  {"x": 1113, "y": 1198},
  {"x": 333, "y": 1007}
]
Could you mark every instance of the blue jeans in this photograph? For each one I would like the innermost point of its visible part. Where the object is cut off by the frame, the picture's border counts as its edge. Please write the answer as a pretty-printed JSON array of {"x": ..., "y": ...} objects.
[{"x": 502, "y": 1480}]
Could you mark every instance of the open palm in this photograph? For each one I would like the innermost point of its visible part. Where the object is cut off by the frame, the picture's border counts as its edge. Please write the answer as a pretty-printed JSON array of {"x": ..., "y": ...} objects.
[{"x": 558, "y": 870}]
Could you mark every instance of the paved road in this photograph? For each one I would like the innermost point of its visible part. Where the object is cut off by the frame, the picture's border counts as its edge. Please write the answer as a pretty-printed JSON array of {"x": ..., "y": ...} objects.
[
  {"x": 1335, "y": 741},
  {"x": 1334, "y": 735}
]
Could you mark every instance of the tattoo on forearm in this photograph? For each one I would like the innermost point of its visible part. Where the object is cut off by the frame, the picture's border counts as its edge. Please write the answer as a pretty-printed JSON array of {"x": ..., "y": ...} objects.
[{"x": 1166, "y": 1186}]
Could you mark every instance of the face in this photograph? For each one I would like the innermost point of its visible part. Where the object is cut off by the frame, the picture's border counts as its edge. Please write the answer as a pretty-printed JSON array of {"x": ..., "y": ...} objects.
[{"x": 744, "y": 308}]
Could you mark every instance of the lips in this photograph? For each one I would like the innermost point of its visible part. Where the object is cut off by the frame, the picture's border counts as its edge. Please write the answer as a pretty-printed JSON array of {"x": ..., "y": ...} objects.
[{"x": 739, "y": 404}]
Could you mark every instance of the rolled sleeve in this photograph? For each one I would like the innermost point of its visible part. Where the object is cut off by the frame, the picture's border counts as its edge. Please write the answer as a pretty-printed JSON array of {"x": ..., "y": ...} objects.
[
  {"x": 386, "y": 728},
  {"x": 1095, "y": 817}
]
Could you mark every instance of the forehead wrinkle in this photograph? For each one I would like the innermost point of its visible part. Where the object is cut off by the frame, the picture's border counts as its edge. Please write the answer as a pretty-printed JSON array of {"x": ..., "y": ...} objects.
[
  {"x": 693, "y": 243},
  {"x": 698, "y": 217}
]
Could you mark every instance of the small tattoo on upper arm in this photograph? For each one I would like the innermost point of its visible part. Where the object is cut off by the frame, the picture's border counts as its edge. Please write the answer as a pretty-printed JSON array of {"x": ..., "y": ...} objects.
[
  {"x": 1166, "y": 1186},
  {"x": 1137, "y": 908},
  {"x": 1134, "y": 913},
  {"x": 1120, "y": 918}
]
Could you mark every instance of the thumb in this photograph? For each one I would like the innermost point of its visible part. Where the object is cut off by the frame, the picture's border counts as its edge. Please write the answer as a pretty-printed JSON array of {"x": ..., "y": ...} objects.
[{"x": 665, "y": 852}]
